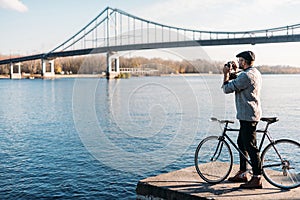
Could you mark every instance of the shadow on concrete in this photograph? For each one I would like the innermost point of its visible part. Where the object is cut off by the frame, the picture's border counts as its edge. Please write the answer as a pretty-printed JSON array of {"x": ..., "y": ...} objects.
[{"x": 225, "y": 188}]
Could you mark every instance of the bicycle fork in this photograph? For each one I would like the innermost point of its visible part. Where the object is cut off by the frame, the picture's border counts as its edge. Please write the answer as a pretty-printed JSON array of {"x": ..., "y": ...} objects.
[
  {"x": 218, "y": 150},
  {"x": 220, "y": 145}
]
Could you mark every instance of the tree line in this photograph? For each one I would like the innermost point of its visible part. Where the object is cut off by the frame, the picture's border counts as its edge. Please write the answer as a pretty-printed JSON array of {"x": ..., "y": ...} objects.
[
  {"x": 96, "y": 64},
  {"x": 279, "y": 69}
]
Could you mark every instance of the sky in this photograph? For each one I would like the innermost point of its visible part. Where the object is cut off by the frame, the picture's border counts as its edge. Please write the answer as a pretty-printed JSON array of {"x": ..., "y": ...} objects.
[{"x": 32, "y": 26}]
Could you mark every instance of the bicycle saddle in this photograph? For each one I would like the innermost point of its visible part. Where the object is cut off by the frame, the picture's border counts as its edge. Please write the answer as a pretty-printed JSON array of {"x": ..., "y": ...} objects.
[{"x": 270, "y": 120}]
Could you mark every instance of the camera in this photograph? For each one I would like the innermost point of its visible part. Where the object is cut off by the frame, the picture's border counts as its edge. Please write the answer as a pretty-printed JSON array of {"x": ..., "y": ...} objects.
[
  {"x": 232, "y": 69},
  {"x": 231, "y": 65}
]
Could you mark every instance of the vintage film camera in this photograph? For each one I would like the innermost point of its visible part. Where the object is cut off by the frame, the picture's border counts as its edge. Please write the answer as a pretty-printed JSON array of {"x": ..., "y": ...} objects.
[{"x": 232, "y": 69}]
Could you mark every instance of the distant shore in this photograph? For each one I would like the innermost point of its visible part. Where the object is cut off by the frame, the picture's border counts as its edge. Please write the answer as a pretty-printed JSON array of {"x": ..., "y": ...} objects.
[
  {"x": 38, "y": 76},
  {"x": 57, "y": 76}
]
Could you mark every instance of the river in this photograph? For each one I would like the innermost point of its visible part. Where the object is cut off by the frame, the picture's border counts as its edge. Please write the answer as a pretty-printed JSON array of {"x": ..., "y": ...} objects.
[{"x": 95, "y": 139}]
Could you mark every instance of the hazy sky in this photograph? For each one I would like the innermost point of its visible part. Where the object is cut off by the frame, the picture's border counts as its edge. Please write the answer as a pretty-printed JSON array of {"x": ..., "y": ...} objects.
[{"x": 32, "y": 26}]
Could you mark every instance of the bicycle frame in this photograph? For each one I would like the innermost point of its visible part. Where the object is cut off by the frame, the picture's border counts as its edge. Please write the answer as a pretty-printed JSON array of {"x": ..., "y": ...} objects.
[{"x": 265, "y": 133}]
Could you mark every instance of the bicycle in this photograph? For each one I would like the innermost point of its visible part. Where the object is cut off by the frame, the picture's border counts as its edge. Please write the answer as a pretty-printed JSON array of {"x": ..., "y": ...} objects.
[{"x": 280, "y": 158}]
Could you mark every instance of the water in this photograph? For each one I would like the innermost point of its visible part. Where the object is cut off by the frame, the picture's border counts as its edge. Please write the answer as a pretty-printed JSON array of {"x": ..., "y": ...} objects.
[{"x": 94, "y": 139}]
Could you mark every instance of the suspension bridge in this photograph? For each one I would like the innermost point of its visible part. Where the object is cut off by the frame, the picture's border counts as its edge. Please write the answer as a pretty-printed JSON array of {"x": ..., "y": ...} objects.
[{"x": 114, "y": 30}]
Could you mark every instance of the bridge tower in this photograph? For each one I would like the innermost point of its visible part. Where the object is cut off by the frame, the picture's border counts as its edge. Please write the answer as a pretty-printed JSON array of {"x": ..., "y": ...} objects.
[
  {"x": 15, "y": 75},
  {"x": 45, "y": 64},
  {"x": 112, "y": 65}
]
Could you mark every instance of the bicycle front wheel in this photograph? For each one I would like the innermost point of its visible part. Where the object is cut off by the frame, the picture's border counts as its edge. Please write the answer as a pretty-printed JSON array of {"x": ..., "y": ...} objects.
[
  {"x": 213, "y": 159},
  {"x": 281, "y": 163}
]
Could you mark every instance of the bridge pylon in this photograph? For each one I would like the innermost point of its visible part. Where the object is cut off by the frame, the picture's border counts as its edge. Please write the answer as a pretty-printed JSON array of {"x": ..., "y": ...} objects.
[
  {"x": 112, "y": 65},
  {"x": 15, "y": 75},
  {"x": 45, "y": 64}
]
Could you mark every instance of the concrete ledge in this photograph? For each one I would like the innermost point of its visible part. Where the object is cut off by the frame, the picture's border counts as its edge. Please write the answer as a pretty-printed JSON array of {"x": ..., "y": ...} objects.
[
  {"x": 186, "y": 184},
  {"x": 48, "y": 75},
  {"x": 112, "y": 75}
]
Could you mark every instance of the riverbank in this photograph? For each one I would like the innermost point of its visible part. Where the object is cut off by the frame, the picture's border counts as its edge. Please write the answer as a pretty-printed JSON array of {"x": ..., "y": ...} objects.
[
  {"x": 57, "y": 76},
  {"x": 38, "y": 76},
  {"x": 4, "y": 76}
]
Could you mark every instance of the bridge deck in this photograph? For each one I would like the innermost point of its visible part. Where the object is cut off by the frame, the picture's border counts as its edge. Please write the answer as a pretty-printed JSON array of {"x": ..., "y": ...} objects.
[
  {"x": 158, "y": 45},
  {"x": 186, "y": 184}
]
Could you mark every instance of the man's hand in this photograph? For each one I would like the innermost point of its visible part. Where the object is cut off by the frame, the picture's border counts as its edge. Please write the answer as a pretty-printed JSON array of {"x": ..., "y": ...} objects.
[
  {"x": 226, "y": 71},
  {"x": 234, "y": 67}
]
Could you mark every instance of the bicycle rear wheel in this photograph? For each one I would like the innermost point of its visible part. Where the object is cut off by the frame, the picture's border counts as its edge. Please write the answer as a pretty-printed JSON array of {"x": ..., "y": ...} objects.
[
  {"x": 281, "y": 164},
  {"x": 213, "y": 159}
]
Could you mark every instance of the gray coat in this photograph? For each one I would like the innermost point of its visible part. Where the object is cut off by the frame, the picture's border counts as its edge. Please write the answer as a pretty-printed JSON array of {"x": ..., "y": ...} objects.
[{"x": 247, "y": 87}]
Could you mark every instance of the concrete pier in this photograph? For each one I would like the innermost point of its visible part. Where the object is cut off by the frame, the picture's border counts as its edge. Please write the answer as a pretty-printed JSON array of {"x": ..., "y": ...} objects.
[
  {"x": 113, "y": 65},
  {"x": 45, "y": 73},
  {"x": 185, "y": 184},
  {"x": 14, "y": 75}
]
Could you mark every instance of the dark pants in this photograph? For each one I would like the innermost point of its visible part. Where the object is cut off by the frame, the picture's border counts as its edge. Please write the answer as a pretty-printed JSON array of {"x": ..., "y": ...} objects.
[{"x": 247, "y": 144}]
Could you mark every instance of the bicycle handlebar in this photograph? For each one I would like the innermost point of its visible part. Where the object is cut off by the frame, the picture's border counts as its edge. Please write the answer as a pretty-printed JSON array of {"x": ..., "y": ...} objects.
[{"x": 222, "y": 121}]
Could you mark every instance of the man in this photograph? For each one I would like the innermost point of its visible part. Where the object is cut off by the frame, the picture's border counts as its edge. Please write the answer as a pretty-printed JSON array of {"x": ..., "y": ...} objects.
[{"x": 247, "y": 86}]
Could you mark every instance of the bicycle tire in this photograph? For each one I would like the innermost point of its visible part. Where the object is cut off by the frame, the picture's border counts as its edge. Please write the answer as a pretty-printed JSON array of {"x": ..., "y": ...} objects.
[
  {"x": 286, "y": 174},
  {"x": 217, "y": 170}
]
